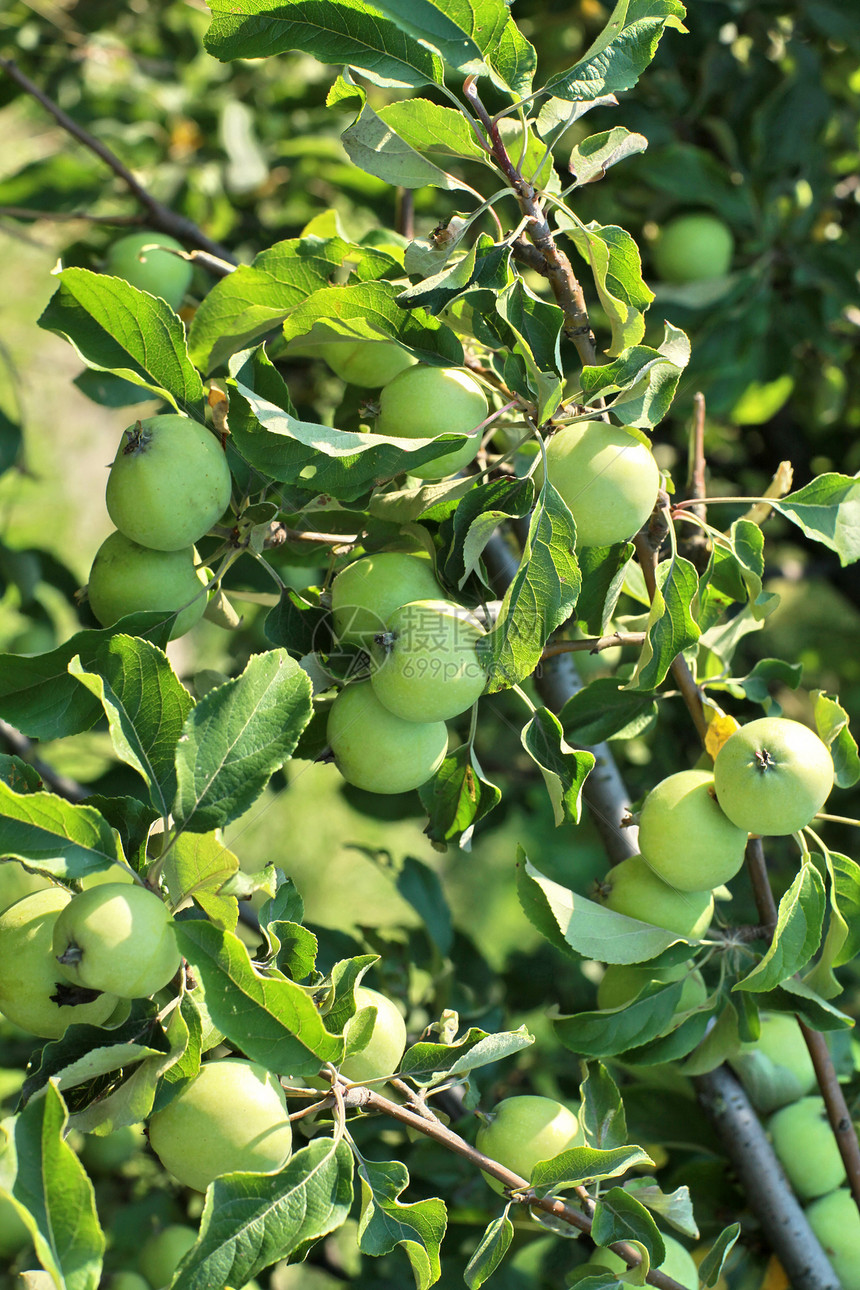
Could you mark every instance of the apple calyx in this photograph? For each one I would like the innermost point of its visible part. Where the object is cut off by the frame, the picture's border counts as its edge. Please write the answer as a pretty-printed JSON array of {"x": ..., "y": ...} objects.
[
  {"x": 72, "y": 954},
  {"x": 763, "y": 760},
  {"x": 138, "y": 439}
]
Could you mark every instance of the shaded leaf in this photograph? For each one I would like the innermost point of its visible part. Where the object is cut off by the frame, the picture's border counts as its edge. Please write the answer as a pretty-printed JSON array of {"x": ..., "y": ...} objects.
[
  {"x": 564, "y": 769},
  {"x": 54, "y": 836},
  {"x": 797, "y": 935},
  {"x": 386, "y": 1222}
]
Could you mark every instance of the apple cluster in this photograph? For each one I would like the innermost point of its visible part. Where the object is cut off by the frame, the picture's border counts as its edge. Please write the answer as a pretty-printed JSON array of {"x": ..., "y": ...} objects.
[
  {"x": 388, "y": 734},
  {"x": 169, "y": 483}
]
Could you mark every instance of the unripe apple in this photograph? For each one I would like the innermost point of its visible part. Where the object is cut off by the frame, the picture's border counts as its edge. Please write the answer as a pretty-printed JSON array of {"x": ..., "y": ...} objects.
[
  {"x": 387, "y": 1041},
  {"x": 524, "y": 1130},
  {"x": 117, "y": 937},
  {"x": 105, "y": 1154},
  {"x": 232, "y": 1117},
  {"x": 16, "y": 881},
  {"x": 163, "y": 1252},
  {"x": 368, "y": 363},
  {"x": 34, "y": 993},
  {"x": 806, "y": 1148},
  {"x": 773, "y": 776},
  {"x": 13, "y": 1231},
  {"x": 634, "y": 889},
  {"x": 693, "y": 248},
  {"x": 426, "y": 401},
  {"x": 777, "y": 1067},
  {"x": 128, "y": 1281},
  {"x": 607, "y": 477},
  {"x": 426, "y": 664},
  {"x": 169, "y": 482},
  {"x": 126, "y": 578},
  {"x": 156, "y": 270},
  {"x": 365, "y": 594},
  {"x": 377, "y": 751},
  {"x": 623, "y": 982},
  {"x": 678, "y": 1263},
  {"x": 685, "y": 835},
  {"x": 835, "y": 1221}
]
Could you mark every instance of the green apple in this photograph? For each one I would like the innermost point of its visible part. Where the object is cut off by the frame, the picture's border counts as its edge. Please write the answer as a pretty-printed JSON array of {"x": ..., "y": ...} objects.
[
  {"x": 162, "y": 1253},
  {"x": 387, "y": 1040},
  {"x": 126, "y": 578},
  {"x": 524, "y": 1130},
  {"x": 169, "y": 482},
  {"x": 128, "y": 1281},
  {"x": 693, "y": 248},
  {"x": 633, "y": 888},
  {"x": 773, "y": 776},
  {"x": 678, "y": 1263},
  {"x": 685, "y": 836},
  {"x": 623, "y": 982},
  {"x": 34, "y": 993},
  {"x": 14, "y": 1235},
  {"x": 365, "y": 594},
  {"x": 608, "y": 478},
  {"x": 426, "y": 401},
  {"x": 426, "y": 665},
  {"x": 377, "y": 751},
  {"x": 117, "y": 937},
  {"x": 368, "y": 363},
  {"x": 230, "y": 1118},
  {"x": 16, "y": 881},
  {"x": 156, "y": 271},
  {"x": 105, "y": 1154},
  {"x": 777, "y": 1067},
  {"x": 835, "y": 1221},
  {"x": 806, "y": 1148}
]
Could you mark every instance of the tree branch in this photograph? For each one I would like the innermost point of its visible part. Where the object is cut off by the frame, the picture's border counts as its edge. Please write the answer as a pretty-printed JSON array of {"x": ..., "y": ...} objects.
[
  {"x": 158, "y": 215},
  {"x": 20, "y": 746}
]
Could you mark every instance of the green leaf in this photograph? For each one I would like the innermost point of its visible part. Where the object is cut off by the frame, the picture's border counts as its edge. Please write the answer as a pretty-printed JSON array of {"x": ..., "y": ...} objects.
[
  {"x": 386, "y": 1222},
  {"x": 51, "y": 1192},
  {"x": 199, "y": 865},
  {"x": 251, "y": 1221},
  {"x": 596, "y": 932},
  {"x": 294, "y": 947},
  {"x": 676, "y": 1207},
  {"x": 564, "y": 769},
  {"x": 490, "y": 1251},
  {"x": 619, "y": 1217},
  {"x": 536, "y": 326},
  {"x": 601, "y": 1111},
  {"x": 540, "y": 597},
  {"x": 236, "y": 737},
  {"x": 603, "y": 710},
  {"x": 794, "y": 995},
  {"x": 372, "y": 311},
  {"x": 604, "y": 570},
  {"x": 593, "y": 156},
  {"x": 831, "y": 722},
  {"x": 457, "y": 798},
  {"x": 712, "y": 1264},
  {"x": 828, "y": 511},
  {"x": 54, "y": 836},
  {"x": 403, "y": 143},
  {"x": 146, "y": 706},
  {"x": 272, "y": 1021},
  {"x": 580, "y": 1166},
  {"x": 483, "y": 270},
  {"x": 41, "y": 699},
  {"x": 421, "y": 887},
  {"x": 671, "y": 626},
  {"x": 617, "y": 268},
  {"x": 605, "y": 1034},
  {"x": 640, "y": 384},
  {"x": 116, "y": 328},
  {"x": 427, "y": 1063},
  {"x": 621, "y": 52},
  {"x": 476, "y": 518},
  {"x": 19, "y": 775},
  {"x": 797, "y": 935},
  {"x": 332, "y": 31}
]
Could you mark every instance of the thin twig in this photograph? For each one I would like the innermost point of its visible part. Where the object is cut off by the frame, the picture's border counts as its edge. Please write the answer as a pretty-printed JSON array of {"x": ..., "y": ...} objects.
[
  {"x": 593, "y": 644},
  {"x": 159, "y": 216},
  {"x": 20, "y": 746},
  {"x": 67, "y": 217}
]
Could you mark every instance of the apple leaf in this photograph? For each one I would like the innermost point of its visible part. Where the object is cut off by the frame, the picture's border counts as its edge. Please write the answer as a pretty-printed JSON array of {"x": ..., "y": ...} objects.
[
  {"x": 797, "y": 935},
  {"x": 146, "y": 706},
  {"x": 827, "y": 510},
  {"x": 621, "y": 52},
  {"x": 618, "y": 1216},
  {"x": 676, "y": 1207},
  {"x": 712, "y": 1264},
  {"x": 795, "y": 996},
  {"x": 251, "y": 1221},
  {"x": 564, "y": 769},
  {"x": 605, "y": 1033},
  {"x": 272, "y": 1020},
  {"x": 421, "y": 887},
  {"x": 671, "y": 626},
  {"x": 199, "y": 865},
  {"x": 236, "y": 737},
  {"x": 679, "y": 1039},
  {"x": 489, "y": 1252},
  {"x": 601, "y": 1111},
  {"x": 831, "y": 721},
  {"x": 581, "y": 1166},
  {"x": 386, "y": 1222},
  {"x": 49, "y": 1188},
  {"x": 617, "y": 269},
  {"x": 593, "y": 156},
  {"x": 540, "y": 597},
  {"x": 466, "y": 532},
  {"x": 603, "y": 710},
  {"x": 402, "y": 143},
  {"x": 639, "y": 385},
  {"x": 536, "y": 327},
  {"x": 116, "y": 328},
  {"x": 19, "y": 775},
  {"x": 457, "y": 798},
  {"x": 482, "y": 270},
  {"x": 56, "y": 837},
  {"x": 371, "y": 311},
  {"x": 428, "y": 1063},
  {"x": 604, "y": 570}
]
